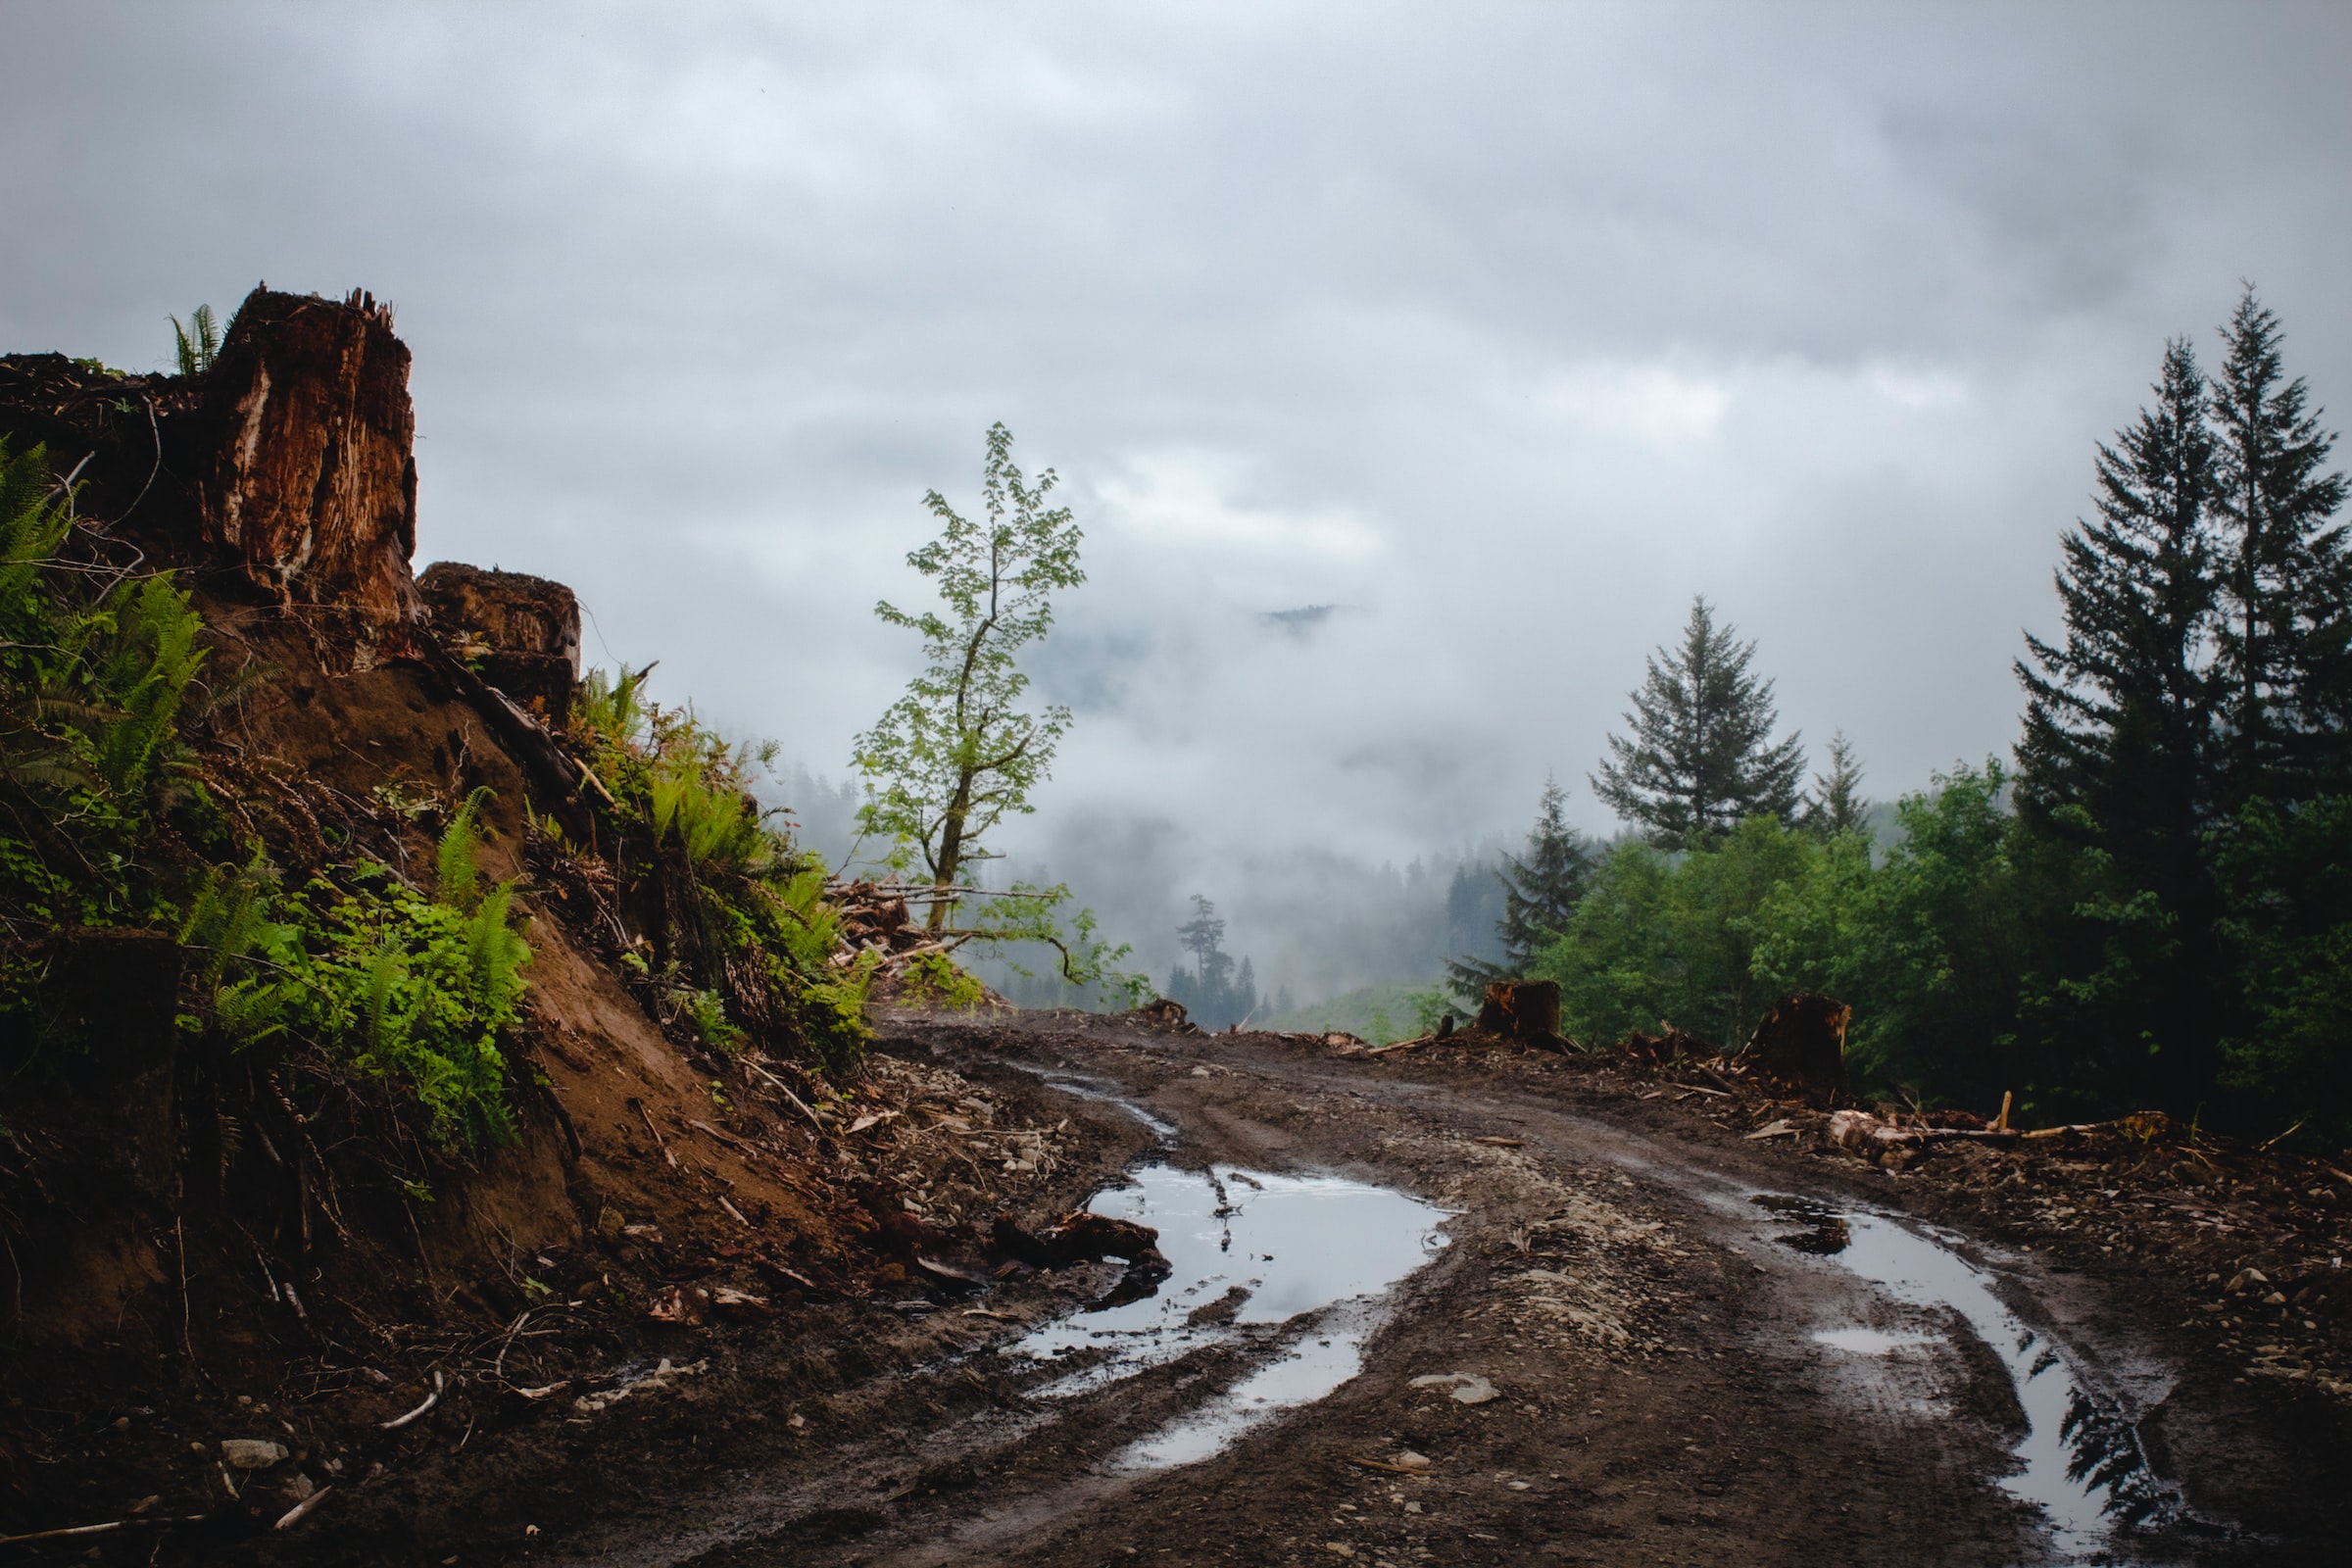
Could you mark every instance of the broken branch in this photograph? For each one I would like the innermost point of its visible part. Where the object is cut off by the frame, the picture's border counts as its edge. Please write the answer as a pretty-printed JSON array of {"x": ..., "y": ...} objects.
[{"x": 430, "y": 1399}]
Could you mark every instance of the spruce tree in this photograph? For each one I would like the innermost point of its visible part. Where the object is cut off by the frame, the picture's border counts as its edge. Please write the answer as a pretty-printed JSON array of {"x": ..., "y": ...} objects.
[
  {"x": 2120, "y": 728},
  {"x": 1836, "y": 805},
  {"x": 1700, "y": 758},
  {"x": 2284, "y": 641},
  {"x": 1538, "y": 894}
]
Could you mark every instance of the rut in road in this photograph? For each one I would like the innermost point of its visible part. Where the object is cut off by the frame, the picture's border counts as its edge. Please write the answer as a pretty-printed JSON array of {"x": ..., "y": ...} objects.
[{"x": 1669, "y": 1378}]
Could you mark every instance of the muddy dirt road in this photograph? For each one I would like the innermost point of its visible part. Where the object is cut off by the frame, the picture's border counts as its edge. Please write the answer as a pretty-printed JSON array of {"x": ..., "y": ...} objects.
[{"x": 1483, "y": 1320}]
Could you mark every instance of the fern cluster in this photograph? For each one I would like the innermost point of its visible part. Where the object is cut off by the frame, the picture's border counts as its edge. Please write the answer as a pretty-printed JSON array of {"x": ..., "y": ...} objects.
[
  {"x": 390, "y": 984},
  {"x": 95, "y": 669},
  {"x": 197, "y": 344},
  {"x": 745, "y": 939}
]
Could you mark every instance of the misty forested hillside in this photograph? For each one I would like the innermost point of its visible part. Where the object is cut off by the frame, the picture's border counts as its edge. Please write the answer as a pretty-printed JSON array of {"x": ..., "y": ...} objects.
[{"x": 2149, "y": 904}]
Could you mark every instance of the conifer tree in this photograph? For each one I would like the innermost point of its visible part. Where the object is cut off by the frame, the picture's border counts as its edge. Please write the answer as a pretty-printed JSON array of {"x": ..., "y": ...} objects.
[
  {"x": 1836, "y": 805},
  {"x": 2120, "y": 717},
  {"x": 2285, "y": 640},
  {"x": 1700, "y": 758},
  {"x": 1538, "y": 894}
]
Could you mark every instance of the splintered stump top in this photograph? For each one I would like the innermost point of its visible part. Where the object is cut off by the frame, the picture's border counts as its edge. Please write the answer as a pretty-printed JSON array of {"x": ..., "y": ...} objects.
[
  {"x": 1522, "y": 1009},
  {"x": 308, "y": 474}
]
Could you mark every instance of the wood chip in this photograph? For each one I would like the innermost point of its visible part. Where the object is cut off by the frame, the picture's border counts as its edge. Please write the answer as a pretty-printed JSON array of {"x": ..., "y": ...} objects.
[{"x": 1501, "y": 1143}]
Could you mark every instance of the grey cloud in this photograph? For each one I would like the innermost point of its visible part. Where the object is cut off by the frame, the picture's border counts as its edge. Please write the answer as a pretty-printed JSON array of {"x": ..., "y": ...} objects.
[{"x": 1519, "y": 322}]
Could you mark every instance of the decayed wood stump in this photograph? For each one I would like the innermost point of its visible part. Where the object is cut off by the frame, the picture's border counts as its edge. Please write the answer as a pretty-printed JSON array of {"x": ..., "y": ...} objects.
[
  {"x": 1801, "y": 1041},
  {"x": 522, "y": 633},
  {"x": 1523, "y": 1009},
  {"x": 308, "y": 477}
]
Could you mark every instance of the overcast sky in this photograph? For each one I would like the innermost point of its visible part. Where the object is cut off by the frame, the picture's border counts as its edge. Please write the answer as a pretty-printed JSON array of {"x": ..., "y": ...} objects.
[{"x": 1506, "y": 328}]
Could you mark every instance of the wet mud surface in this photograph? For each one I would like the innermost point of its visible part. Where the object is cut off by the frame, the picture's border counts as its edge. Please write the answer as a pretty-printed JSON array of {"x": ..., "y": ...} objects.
[{"x": 1414, "y": 1316}]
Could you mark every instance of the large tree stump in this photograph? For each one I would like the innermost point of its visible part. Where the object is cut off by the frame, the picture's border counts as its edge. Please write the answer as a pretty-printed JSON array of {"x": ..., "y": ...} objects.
[
  {"x": 1801, "y": 1042},
  {"x": 521, "y": 633},
  {"x": 308, "y": 474},
  {"x": 1527, "y": 1010}
]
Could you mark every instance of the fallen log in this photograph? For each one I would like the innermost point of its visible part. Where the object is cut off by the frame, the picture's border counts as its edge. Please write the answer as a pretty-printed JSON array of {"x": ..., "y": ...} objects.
[{"x": 1861, "y": 1133}]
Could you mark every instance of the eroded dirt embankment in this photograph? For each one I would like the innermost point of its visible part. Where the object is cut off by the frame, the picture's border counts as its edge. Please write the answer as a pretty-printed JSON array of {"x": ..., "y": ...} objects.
[{"x": 1679, "y": 1374}]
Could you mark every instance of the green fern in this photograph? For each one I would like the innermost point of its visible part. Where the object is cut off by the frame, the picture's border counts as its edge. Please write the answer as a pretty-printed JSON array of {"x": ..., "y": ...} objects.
[
  {"x": 198, "y": 344},
  {"x": 457, "y": 874},
  {"x": 495, "y": 956}
]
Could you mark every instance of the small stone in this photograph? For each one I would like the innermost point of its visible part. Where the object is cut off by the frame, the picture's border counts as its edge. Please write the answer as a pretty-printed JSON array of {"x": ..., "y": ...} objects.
[
  {"x": 610, "y": 1222},
  {"x": 250, "y": 1453},
  {"x": 1468, "y": 1387},
  {"x": 1516, "y": 1486},
  {"x": 1412, "y": 1507},
  {"x": 2275, "y": 1298},
  {"x": 1410, "y": 1461}
]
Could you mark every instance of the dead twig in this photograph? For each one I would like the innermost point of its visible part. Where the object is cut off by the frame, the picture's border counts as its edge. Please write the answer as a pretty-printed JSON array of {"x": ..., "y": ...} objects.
[
  {"x": 660, "y": 1142},
  {"x": 724, "y": 1138},
  {"x": 70, "y": 1530},
  {"x": 778, "y": 1085},
  {"x": 296, "y": 1514},
  {"x": 430, "y": 1399}
]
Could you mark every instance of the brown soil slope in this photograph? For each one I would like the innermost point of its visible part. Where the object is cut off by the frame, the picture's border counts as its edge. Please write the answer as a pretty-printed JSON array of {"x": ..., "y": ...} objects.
[{"x": 258, "y": 1247}]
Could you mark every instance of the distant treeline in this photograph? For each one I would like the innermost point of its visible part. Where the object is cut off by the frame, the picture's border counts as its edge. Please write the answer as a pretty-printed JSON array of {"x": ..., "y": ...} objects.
[{"x": 2151, "y": 906}]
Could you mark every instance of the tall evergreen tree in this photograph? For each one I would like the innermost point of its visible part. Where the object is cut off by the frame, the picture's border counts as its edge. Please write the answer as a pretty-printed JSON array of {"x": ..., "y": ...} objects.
[
  {"x": 2286, "y": 638},
  {"x": 1209, "y": 992},
  {"x": 2120, "y": 719},
  {"x": 1700, "y": 758},
  {"x": 2121, "y": 753},
  {"x": 1835, "y": 804},
  {"x": 1538, "y": 894}
]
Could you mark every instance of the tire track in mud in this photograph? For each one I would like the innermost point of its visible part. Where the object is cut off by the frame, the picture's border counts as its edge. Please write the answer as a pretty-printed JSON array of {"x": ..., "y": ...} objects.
[{"x": 1658, "y": 1391}]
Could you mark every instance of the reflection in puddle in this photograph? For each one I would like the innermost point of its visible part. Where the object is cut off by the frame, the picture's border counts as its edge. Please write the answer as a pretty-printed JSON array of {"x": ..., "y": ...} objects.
[
  {"x": 1824, "y": 1231},
  {"x": 2081, "y": 1463},
  {"x": 1250, "y": 1253}
]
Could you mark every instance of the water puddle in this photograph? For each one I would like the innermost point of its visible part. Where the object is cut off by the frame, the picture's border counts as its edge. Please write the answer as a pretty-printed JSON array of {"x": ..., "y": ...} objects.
[
  {"x": 1873, "y": 1342},
  {"x": 1102, "y": 1094},
  {"x": 2080, "y": 1460},
  {"x": 1300, "y": 1266}
]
